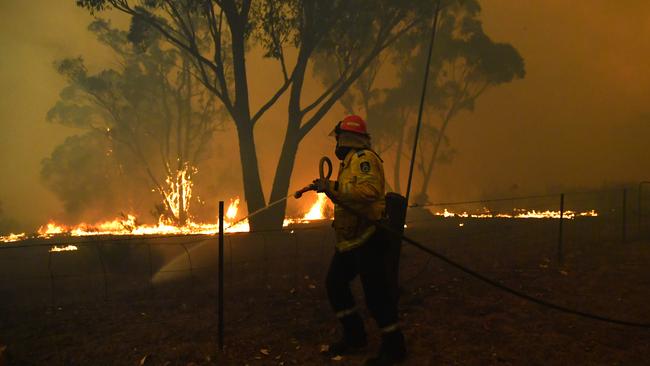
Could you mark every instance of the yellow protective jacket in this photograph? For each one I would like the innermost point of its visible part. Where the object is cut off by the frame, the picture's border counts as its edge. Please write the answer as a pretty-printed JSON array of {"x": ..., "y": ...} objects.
[{"x": 361, "y": 186}]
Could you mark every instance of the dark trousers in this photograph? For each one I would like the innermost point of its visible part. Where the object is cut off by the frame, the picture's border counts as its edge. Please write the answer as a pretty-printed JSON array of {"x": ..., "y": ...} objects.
[{"x": 373, "y": 263}]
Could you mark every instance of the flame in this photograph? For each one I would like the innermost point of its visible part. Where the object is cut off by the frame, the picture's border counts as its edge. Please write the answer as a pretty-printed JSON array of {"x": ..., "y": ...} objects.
[
  {"x": 518, "y": 213},
  {"x": 129, "y": 226},
  {"x": 317, "y": 210},
  {"x": 177, "y": 197},
  {"x": 179, "y": 191},
  {"x": 12, "y": 238},
  {"x": 67, "y": 248},
  {"x": 175, "y": 221},
  {"x": 51, "y": 229},
  {"x": 231, "y": 212},
  {"x": 590, "y": 213}
]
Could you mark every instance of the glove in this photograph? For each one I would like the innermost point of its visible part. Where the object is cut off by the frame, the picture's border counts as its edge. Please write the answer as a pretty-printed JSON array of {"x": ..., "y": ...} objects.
[{"x": 321, "y": 185}]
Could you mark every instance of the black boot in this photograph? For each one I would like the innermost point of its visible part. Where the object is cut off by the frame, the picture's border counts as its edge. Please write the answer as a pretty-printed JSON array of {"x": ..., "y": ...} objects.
[
  {"x": 354, "y": 337},
  {"x": 392, "y": 350}
]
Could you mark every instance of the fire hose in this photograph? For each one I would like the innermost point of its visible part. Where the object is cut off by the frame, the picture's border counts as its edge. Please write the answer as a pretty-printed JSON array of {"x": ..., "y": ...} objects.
[{"x": 325, "y": 161}]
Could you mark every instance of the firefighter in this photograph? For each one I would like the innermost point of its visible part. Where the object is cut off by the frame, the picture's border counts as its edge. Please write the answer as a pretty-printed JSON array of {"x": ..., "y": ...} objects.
[{"x": 361, "y": 249}]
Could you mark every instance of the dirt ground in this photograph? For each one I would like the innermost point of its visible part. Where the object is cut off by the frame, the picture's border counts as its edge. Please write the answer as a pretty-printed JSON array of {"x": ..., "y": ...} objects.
[{"x": 276, "y": 312}]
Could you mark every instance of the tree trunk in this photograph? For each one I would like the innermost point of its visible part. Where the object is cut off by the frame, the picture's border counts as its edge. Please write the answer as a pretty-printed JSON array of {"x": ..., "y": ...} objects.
[
  {"x": 292, "y": 139},
  {"x": 253, "y": 193},
  {"x": 247, "y": 153},
  {"x": 282, "y": 178}
]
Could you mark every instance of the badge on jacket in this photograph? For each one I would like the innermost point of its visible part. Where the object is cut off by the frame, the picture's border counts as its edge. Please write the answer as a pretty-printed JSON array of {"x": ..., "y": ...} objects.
[{"x": 365, "y": 166}]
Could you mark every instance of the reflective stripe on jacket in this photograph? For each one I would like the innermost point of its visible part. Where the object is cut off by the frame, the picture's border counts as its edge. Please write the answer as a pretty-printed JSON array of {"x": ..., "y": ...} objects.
[{"x": 361, "y": 186}]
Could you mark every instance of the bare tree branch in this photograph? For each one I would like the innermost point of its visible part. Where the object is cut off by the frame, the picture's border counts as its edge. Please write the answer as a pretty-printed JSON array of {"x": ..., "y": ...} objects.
[{"x": 271, "y": 101}]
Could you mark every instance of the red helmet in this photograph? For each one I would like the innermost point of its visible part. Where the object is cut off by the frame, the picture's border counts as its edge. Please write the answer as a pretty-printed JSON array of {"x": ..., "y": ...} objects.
[{"x": 351, "y": 123}]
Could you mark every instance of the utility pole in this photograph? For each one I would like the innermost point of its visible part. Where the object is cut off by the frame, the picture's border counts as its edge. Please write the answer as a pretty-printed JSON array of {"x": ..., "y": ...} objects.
[{"x": 422, "y": 97}]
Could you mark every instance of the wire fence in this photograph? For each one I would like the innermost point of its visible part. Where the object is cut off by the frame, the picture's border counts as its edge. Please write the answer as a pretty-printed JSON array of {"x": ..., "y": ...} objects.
[{"x": 134, "y": 288}]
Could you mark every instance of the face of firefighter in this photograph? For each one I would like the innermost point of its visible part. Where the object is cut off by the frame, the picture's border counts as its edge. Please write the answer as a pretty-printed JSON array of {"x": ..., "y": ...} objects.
[
  {"x": 346, "y": 141},
  {"x": 341, "y": 151}
]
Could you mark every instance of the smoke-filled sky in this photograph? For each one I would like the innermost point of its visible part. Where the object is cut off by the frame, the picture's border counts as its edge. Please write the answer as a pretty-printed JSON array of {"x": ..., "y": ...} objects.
[
  {"x": 580, "y": 118},
  {"x": 582, "y": 114}
]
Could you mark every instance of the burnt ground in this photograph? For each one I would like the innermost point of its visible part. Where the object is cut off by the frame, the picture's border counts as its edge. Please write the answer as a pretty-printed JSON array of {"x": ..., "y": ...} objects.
[{"x": 276, "y": 312}]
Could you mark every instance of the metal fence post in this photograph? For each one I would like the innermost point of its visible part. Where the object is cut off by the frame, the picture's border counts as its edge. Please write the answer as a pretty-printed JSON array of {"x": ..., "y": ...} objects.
[
  {"x": 624, "y": 228},
  {"x": 560, "y": 254},
  {"x": 220, "y": 280}
]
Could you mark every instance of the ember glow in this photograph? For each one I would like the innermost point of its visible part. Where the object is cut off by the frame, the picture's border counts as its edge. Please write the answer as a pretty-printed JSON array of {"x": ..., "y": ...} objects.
[
  {"x": 517, "y": 213},
  {"x": 67, "y": 248}
]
